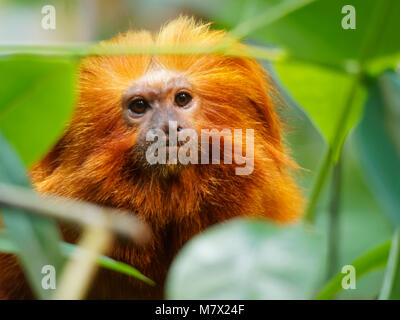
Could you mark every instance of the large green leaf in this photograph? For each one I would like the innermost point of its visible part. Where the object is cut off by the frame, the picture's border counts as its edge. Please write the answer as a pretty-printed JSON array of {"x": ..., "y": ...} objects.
[
  {"x": 36, "y": 100},
  {"x": 247, "y": 259},
  {"x": 375, "y": 140},
  {"x": 314, "y": 32},
  {"x": 35, "y": 237}
]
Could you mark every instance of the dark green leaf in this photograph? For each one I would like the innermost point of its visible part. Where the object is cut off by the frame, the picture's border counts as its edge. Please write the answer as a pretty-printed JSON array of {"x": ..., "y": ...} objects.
[
  {"x": 375, "y": 141},
  {"x": 35, "y": 237},
  {"x": 314, "y": 32}
]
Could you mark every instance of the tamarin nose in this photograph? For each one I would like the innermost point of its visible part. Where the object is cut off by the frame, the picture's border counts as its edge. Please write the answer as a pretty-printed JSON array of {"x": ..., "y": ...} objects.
[
  {"x": 167, "y": 132},
  {"x": 165, "y": 128}
]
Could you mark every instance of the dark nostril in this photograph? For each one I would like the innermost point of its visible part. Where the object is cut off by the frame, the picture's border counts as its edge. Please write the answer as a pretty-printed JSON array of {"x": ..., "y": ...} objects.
[
  {"x": 179, "y": 129},
  {"x": 165, "y": 129}
]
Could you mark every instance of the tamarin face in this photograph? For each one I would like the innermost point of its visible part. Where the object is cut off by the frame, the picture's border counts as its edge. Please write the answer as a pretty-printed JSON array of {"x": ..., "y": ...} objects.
[
  {"x": 158, "y": 102},
  {"x": 157, "y": 98},
  {"x": 169, "y": 99},
  {"x": 169, "y": 116}
]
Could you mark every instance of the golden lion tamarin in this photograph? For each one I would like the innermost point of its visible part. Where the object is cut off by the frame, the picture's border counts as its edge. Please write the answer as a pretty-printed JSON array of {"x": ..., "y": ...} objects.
[{"x": 102, "y": 156}]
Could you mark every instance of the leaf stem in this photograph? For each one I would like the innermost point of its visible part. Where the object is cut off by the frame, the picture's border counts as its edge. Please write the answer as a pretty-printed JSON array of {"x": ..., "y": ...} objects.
[
  {"x": 334, "y": 149},
  {"x": 333, "y": 228},
  {"x": 318, "y": 185},
  {"x": 80, "y": 51}
]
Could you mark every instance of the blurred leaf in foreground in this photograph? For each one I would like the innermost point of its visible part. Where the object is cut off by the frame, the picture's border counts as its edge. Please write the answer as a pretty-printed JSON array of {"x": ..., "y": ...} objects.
[
  {"x": 36, "y": 238},
  {"x": 36, "y": 99},
  {"x": 247, "y": 259}
]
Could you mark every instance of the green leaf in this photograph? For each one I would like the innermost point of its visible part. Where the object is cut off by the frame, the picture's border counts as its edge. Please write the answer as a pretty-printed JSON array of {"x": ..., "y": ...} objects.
[
  {"x": 391, "y": 282},
  {"x": 68, "y": 250},
  {"x": 247, "y": 259},
  {"x": 372, "y": 260},
  {"x": 375, "y": 141},
  {"x": 323, "y": 93},
  {"x": 36, "y": 99},
  {"x": 35, "y": 237},
  {"x": 111, "y": 264},
  {"x": 314, "y": 32}
]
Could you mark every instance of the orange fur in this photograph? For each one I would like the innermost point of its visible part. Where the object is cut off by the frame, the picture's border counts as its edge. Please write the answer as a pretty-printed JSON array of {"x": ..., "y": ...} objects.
[{"x": 92, "y": 162}]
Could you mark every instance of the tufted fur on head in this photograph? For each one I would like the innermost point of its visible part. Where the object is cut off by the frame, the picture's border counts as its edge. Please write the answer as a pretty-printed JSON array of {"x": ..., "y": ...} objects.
[{"x": 97, "y": 157}]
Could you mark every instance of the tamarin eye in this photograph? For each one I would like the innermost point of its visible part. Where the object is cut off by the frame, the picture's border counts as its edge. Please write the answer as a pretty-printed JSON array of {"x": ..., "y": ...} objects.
[
  {"x": 182, "y": 99},
  {"x": 138, "y": 106}
]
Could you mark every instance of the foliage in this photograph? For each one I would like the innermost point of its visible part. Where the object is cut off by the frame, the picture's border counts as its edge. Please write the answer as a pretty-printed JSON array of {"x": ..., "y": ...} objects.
[{"x": 35, "y": 238}]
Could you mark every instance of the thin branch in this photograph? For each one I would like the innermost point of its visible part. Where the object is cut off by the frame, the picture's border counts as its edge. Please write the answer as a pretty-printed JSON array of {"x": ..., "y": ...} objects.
[
  {"x": 242, "y": 30},
  {"x": 75, "y": 211},
  {"x": 79, "y": 51},
  {"x": 333, "y": 149},
  {"x": 318, "y": 185},
  {"x": 333, "y": 228}
]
